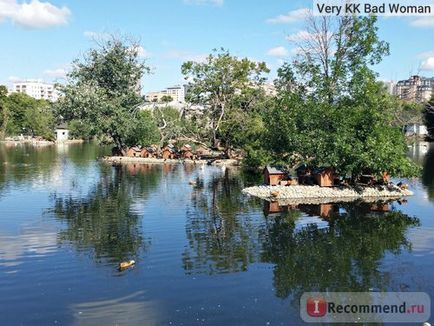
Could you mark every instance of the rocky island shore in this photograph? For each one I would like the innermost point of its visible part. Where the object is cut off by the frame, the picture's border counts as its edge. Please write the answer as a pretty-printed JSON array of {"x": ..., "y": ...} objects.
[
  {"x": 317, "y": 194},
  {"x": 147, "y": 160}
]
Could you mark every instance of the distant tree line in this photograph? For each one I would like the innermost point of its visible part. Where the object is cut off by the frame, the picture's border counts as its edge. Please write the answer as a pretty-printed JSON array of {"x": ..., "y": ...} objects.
[{"x": 21, "y": 114}]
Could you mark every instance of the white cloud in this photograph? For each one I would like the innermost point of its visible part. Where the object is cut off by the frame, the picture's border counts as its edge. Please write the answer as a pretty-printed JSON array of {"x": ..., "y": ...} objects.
[
  {"x": 59, "y": 73},
  {"x": 291, "y": 17},
  {"x": 35, "y": 14},
  {"x": 205, "y": 2},
  {"x": 299, "y": 36},
  {"x": 143, "y": 53},
  {"x": 427, "y": 64},
  {"x": 425, "y": 55},
  {"x": 425, "y": 21},
  {"x": 279, "y": 51}
]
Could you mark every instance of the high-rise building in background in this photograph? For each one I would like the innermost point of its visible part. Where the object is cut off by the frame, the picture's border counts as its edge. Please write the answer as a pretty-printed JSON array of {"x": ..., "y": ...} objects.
[
  {"x": 177, "y": 93},
  {"x": 36, "y": 89},
  {"x": 415, "y": 89}
]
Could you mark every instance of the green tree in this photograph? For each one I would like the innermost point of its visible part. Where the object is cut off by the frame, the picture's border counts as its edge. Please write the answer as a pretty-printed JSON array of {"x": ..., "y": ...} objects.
[
  {"x": 216, "y": 83},
  {"x": 166, "y": 99},
  {"x": 19, "y": 104},
  {"x": 79, "y": 130},
  {"x": 147, "y": 130},
  {"x": 330, "y": 110},
  {"x": 103, "y": 92},
  {"x": 25, "y": 115},
  {"x": 172, "y": 125},
  {"x": 4, "y": 112},
  {"x": 39, "y": 119},
  {"x": 429, "y": 116},
  {"x": 335, "y": 55}
]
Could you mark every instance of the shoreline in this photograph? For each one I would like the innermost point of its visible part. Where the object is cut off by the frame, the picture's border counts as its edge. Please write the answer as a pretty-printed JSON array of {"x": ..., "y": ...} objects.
[
  {"x": 142, "y": 160},
  {"x": 316, "y": 194},
  {"x": 41, "y": 142}
]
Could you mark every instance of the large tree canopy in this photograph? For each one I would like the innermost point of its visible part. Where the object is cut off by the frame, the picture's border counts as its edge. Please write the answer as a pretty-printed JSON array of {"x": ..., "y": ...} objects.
[
  {"x": 222, "y": 83},
  {"x": 22, "y": 114},
  {"x": 330, "y": 110},
  {"x": 103, "y": 91}
]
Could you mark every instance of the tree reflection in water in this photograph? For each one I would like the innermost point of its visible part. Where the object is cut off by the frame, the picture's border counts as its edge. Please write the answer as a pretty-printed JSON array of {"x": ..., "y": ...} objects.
[
  {"x": 342, "y": 253},
  {"x": 428, "y": 173},
  {"x": 219, "y": 240},
  {"x": 344, "y": 256},
  {"x": 104, "y": 221},
  {"x": 21, "y": 163}
]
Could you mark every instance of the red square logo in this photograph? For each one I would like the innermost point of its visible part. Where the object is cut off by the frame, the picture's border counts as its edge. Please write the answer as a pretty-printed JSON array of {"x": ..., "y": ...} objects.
[{"x": 316, "y": 307}]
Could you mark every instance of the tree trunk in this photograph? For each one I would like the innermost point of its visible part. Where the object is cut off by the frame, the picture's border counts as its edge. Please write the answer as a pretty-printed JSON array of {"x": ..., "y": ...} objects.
[{"x": 119, "y": 145}]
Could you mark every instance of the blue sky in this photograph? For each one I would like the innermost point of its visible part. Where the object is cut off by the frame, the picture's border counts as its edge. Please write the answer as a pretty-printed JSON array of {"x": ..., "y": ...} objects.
[{"x": 40, "y": 39}]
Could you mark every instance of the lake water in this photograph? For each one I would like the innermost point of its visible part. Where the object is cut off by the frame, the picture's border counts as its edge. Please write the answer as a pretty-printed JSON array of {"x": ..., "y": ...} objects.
[{"x": 205, "y": 254}]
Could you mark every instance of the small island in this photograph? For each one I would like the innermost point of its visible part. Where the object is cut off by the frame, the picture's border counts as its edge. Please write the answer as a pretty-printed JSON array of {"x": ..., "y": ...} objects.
[
  {"x": 324, "y": 185},
  {"x": 316, "y": 194}
]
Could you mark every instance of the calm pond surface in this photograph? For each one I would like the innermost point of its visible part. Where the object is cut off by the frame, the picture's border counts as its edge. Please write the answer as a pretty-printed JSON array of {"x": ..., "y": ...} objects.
[{"x": 205, "y": 253}]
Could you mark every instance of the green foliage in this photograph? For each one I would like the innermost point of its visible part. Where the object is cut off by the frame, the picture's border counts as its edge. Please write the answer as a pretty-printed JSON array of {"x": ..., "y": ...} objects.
[
  {"x": 173, "y": 125},
  {"x": 403, "y": 112},
  {"x": 332, "y": 112},
  {"x": 22, "y": 114},
  {"x": 429, "y": 117},
  {"x": 40, "y": 120},
  {"x": 103, "y": 91},
  {"x": 4, "y": 111},
  {"x": 167, "y": 99},
  {"x": 334, "y": 61},
  {"x": 428, "y": 173},
  {"x": 79, "y": 130},
  {"x": 147, "y": 130},
  {"x": 222, "y": 83},
  {"x": 352, "y": 136}
]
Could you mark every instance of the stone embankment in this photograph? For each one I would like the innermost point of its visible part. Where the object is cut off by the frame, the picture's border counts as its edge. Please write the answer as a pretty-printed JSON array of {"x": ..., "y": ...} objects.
[
  {"x": 316, "y": 194},
  {"x": 141, "y": 160},
  {"x": 33, "y": 142}
]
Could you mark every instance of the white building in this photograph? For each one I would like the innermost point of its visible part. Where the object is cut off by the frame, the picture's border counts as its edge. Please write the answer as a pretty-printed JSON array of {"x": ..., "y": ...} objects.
[
  {"x": 415, "y": 89},
  {"x": 36, "y": 89},
  {"x": 62, "y": 133},
  {"x": 177, "y": 93}
]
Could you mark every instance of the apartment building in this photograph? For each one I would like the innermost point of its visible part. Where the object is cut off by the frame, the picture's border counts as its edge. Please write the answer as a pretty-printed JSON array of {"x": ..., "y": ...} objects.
[
  {"x": 177, "y": 93},
  {"x": 36, "y": 89},
  {"x": 415, "y": 89}
]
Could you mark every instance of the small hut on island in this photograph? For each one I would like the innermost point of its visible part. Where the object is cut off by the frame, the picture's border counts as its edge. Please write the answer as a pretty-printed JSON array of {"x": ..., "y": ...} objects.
[
  {"x": 134, "y": 152},
  {"x": 168, "y": 152},
  {"x": 273, "y": 176},
  {"x": 202, "y": 152},
  {"x": 187, "y": 152},
  {"x": 62, "y": 132}
]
